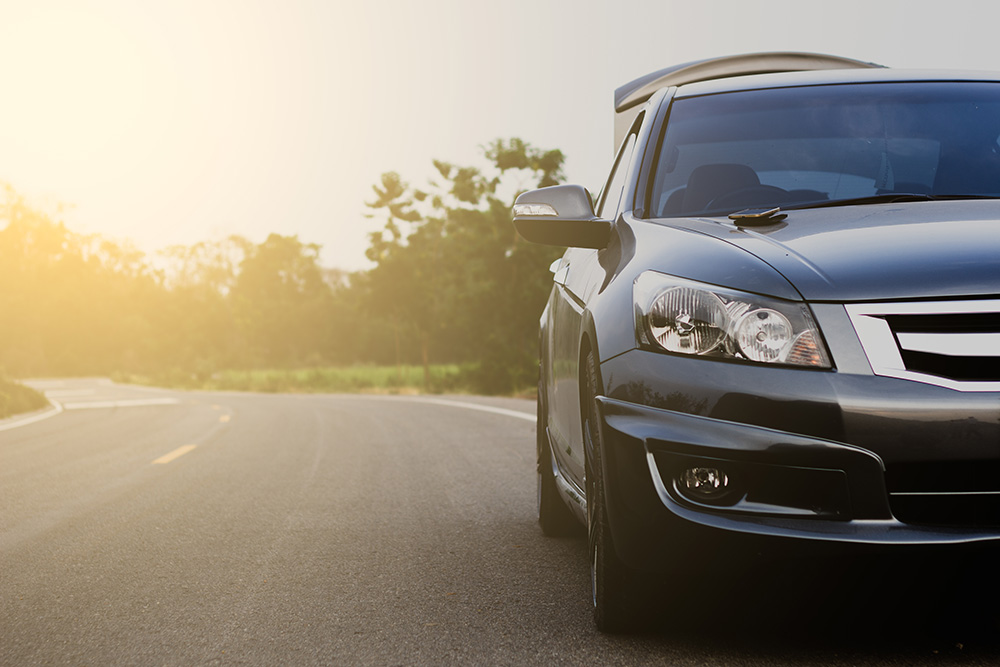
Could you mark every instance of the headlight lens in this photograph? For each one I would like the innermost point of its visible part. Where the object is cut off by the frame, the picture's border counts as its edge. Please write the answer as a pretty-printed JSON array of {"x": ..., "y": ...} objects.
[
  {"x": 682, "y": 319},
  {"x": 687, "y": 317}
]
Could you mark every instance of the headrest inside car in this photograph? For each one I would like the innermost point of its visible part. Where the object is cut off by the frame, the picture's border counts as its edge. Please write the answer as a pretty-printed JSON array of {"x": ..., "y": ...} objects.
[{"x": 710, "y": 181}]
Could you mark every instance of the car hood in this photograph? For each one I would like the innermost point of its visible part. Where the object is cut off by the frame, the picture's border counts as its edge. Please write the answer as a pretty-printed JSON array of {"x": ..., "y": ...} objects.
[{"x": 886, "y": 251}]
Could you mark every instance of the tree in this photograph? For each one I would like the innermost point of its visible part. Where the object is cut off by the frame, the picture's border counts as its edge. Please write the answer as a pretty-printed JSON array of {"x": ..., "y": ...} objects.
[
  {"x": 282, "y": 303},
  {"x": 452, "y": 270},
  {"x": 406, "y": 282},
  {"x": 72, "y": 303},
  {"x": 199, "y": 280}
]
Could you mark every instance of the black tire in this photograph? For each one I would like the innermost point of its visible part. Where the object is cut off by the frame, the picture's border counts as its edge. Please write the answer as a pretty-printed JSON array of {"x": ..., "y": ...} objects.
[
  {"x": 620, "y": 594},
  {"x": 554, "y": 516}
]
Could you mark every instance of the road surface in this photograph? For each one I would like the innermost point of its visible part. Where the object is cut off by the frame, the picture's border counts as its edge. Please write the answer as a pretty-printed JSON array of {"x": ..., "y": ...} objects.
[{"x": 142, "y": 526}]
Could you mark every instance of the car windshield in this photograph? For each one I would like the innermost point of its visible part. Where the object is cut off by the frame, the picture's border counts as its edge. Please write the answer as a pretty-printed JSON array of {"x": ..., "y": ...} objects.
[{"x": 809, "y": 146}]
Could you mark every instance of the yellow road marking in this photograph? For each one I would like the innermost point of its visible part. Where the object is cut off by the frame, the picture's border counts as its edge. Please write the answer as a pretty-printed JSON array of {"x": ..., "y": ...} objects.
[
  {"x": 224, "y": 418},
  {"x": 177, "y": 453}
]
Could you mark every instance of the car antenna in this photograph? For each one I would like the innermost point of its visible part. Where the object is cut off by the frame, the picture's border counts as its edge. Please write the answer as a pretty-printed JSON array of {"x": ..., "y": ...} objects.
[{"x": 751, "y": 217}]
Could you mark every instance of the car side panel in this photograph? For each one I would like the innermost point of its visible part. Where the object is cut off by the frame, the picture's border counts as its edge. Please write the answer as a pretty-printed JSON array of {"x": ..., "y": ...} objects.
[{"x": 566, "y": 310}]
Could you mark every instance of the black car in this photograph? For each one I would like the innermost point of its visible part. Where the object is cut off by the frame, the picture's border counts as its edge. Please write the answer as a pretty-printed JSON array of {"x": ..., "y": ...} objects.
[{"x": 780, "y": 322}]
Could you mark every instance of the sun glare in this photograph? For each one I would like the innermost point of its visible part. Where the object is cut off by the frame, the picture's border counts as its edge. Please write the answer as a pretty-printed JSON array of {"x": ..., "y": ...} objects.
[{"x": 77, "y": 94}]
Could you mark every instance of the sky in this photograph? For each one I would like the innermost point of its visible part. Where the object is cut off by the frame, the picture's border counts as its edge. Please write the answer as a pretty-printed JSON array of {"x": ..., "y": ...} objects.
[{"x": 176, "y": 122}]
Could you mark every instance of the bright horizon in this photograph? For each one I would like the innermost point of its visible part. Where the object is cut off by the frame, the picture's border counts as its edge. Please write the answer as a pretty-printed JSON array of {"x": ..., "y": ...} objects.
[{"x": 180, "y": 122}]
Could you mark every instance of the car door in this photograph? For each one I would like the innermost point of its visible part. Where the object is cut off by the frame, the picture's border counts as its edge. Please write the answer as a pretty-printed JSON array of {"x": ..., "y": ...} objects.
[{"x": 577, "y": 276}]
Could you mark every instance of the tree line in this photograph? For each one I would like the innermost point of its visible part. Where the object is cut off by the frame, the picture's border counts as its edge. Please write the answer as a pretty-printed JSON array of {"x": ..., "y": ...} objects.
[{"x": 450, "y": 282}]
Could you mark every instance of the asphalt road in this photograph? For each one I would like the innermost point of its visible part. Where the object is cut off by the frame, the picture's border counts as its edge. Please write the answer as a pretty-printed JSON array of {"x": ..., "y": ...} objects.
[{"x": 142, "y": 526}]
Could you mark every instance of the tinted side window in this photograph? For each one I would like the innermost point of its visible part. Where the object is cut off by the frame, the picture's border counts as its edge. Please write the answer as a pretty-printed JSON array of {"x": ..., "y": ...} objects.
[{"x": 611, "y": 201}]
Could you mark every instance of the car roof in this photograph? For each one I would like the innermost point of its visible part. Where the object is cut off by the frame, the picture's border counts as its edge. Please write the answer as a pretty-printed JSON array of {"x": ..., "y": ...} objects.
[
  {"x": 757, "y": 71},
  {"x": 829, "y": 77},
  {"x": 630, "y": 97},
  {"x": 638, "y": 91}
]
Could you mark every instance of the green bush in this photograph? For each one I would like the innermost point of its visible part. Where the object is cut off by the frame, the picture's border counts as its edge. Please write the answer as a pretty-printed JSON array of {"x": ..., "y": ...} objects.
[
  {"x": 16, "y": 398},
  {"x": 443, "y": 378}
]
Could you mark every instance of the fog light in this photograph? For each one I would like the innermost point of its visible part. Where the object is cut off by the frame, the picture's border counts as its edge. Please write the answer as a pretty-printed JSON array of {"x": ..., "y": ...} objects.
[{"x": 704, "y": 482}]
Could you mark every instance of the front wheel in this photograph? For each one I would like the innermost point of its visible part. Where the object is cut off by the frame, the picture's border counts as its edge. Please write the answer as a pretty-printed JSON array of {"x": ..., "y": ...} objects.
[{"x": 620, "y": 595}]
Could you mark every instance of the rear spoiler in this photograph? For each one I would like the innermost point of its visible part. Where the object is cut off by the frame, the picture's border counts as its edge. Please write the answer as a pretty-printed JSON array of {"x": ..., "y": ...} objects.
[{"x": 629, "y": 98}]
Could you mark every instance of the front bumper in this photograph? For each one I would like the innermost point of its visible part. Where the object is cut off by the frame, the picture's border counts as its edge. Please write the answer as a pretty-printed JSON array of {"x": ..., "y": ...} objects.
[{"x": 812, "y": 449}]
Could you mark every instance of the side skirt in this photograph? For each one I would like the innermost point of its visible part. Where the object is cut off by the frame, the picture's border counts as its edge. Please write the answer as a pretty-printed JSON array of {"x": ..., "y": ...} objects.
[{"x": 575, "y": 497}]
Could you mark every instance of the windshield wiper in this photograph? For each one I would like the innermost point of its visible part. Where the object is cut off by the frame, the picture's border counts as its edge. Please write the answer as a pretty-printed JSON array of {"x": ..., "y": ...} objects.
[{"x": 887, "y": 198}]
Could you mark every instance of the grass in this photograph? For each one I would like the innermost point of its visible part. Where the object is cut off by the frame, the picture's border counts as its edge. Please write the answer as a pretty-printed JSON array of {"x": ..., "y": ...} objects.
[
  {"x": 444, "y": 378},
  {"x": 16, "y": 398}
]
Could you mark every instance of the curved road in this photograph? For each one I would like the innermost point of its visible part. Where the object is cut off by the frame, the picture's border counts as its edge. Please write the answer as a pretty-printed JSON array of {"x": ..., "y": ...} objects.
[{"x": 142, "y": 526}]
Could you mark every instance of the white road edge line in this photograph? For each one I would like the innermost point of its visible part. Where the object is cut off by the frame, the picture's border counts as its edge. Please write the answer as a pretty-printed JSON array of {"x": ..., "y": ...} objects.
[
  {"x": 66, "y": 393},
  {"x": 474, "y": 406},
  {"x": 56, "y": 408},
  {"x": 126, "y": 403}
]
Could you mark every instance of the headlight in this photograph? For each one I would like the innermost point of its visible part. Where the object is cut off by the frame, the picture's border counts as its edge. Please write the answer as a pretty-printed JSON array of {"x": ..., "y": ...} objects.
[{"x": 687, "y": 317}]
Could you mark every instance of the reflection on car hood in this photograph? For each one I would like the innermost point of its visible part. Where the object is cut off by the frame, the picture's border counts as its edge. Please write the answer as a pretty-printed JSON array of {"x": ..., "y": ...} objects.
[{"x": 886, "y": 251}]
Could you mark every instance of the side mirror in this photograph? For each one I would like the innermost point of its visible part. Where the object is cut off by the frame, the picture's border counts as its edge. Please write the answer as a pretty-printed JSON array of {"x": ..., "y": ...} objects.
[{"x": 561, "y": 215}]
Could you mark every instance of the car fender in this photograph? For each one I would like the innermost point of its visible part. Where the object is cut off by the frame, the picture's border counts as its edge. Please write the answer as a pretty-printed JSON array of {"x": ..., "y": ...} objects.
[{"x": 685, "y": 252}]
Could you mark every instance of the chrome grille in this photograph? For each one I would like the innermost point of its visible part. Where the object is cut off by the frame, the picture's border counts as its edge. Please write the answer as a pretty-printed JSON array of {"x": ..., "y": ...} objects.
[{"x": 954, "y": 344}]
